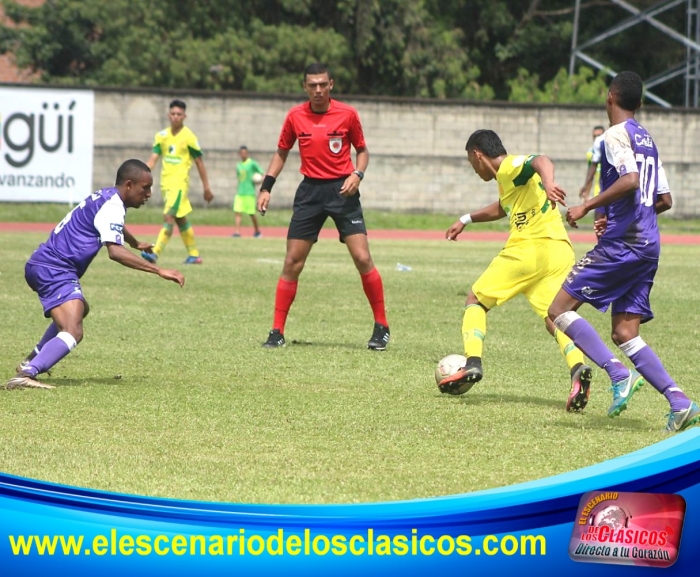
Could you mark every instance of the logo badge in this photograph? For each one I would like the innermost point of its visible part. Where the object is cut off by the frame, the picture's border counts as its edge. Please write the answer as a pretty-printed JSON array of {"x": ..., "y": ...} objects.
[
  {"x": 335, "y": 144},
  {"x": 642, "y": 529}
]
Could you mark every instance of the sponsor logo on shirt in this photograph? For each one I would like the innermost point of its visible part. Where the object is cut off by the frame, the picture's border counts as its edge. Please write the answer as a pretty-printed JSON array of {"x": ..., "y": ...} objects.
[
  {"x": 118, "y": 227},
  {"x": 643, "y": 140}
]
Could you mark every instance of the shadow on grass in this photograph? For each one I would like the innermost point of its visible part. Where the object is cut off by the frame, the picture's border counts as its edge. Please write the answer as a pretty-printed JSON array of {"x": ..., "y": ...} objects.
[
  {"x": 602, "y": 421},
  {"x": 477, "y": 398},
  {"x": 111, "y": 381},
  {"x": 571, "y": 420}
]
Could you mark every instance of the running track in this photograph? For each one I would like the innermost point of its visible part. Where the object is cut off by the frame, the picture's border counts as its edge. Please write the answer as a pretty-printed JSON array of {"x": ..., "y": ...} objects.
[{"x": 151, "y": 230}]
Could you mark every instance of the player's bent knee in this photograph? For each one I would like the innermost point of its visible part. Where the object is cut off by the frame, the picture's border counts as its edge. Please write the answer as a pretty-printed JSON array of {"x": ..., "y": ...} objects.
[
  {"x": 564, "y": 320},
  {"x": 69, "y": 339}
]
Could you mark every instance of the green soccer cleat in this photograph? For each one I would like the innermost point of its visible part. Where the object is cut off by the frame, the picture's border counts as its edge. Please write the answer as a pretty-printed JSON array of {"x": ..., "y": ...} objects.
[
  {"x": 680, "y": 420},
  {"x": 623, "y": 391}
]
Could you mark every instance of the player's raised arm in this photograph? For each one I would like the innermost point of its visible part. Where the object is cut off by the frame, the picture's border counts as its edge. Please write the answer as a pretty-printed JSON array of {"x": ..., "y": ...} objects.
[{"x": 123, "y": 256}]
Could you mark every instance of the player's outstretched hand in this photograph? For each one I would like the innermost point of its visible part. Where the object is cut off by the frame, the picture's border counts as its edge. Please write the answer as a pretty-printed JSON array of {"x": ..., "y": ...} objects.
[
  {"x": 556, "y": 193},
  {"x": 454, "y": 231},
  {"x": 173, "y": 275},
  {"x": 208, "y": 195},
  {"x": 575, "y": 213}
]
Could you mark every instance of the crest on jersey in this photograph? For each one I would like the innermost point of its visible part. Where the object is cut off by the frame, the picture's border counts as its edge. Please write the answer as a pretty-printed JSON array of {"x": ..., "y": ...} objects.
[{"x": 335, "y": 144}]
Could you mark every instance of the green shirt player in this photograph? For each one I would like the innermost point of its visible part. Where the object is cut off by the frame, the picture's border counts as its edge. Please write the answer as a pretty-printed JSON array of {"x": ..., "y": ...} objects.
[
  {"x": 249, "y": 173},
  {"x": 534, "y": 262},
  {"x": 179, "y": 148}
]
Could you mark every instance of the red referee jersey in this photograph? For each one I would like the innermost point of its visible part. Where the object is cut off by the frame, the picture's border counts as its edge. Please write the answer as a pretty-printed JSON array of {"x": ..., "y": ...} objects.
[{"x": 324, "y": 138}]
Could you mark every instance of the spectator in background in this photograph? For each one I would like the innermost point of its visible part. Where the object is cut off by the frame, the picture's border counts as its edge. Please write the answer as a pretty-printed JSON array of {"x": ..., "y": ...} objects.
[
  {"x": 249, "y": 174},
  {"x": 593, "y": 171}
]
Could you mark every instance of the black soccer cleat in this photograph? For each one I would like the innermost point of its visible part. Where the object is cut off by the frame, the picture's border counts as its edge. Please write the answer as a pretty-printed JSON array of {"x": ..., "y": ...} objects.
[
  {"x": 581, "y": 377},
  {"x": 274, "y": 340},
  {"x": 464, "y": 379},
  {"x": 380, "y": 338}
]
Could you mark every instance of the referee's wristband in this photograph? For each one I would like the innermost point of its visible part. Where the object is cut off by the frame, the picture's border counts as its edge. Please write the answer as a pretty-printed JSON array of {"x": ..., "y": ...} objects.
[
  {"x": 466, "y": 219},
  {"x": 267, "y": 183}
]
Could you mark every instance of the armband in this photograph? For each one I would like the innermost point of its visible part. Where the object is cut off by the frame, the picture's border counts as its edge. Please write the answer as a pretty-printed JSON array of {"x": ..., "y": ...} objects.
[
  {"x": 267, "y": 183},
  {"x": 466, "y": 219}
]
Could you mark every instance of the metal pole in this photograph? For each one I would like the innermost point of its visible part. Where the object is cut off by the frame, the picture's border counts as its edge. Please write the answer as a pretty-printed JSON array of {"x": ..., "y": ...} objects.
[{"x": 574, "y": 38}]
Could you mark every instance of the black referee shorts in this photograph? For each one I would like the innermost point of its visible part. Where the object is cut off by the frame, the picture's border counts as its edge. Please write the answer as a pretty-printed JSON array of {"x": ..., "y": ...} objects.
[{"x": 315, "y": 201}]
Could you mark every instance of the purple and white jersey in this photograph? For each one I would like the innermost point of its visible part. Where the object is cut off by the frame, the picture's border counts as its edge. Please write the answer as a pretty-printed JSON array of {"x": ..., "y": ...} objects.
[
  {"x": 627, "y": 148},
  {"x": 77, "y": 239}
]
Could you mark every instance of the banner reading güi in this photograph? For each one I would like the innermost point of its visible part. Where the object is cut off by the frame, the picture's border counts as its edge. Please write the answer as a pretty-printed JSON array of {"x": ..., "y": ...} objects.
[{"x": 46, "y": 142}]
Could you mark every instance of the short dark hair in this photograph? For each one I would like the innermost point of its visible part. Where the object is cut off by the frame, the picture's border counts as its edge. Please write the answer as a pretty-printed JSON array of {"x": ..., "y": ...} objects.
[
  {"x": 131, "y": 170},
  {"x": 316, "y": 68},
  {"x": 628, "y": 88},
  {"x": 242, "y": 147},
  {"x": 178, "y": 104},
  {"x": 487, "y": 141},
  {"x": 599, "y": 127}
]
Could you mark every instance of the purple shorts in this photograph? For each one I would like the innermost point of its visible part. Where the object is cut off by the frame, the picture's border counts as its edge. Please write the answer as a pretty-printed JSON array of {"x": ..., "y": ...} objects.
[
  {"x": 54, "y": 286},
  {"x": 613, "y": 274}
]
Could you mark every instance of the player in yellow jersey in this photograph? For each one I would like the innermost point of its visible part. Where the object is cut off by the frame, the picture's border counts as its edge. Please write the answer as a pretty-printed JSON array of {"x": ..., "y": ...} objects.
[
  {"x": 179, "y": 147},
  {"x": 534, "y": 262},
  {"x": 593, "y": 171}
]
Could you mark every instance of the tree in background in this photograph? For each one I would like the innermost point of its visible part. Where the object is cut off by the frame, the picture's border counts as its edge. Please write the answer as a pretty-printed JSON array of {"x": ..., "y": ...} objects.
[{"x": 475, "y": 49}]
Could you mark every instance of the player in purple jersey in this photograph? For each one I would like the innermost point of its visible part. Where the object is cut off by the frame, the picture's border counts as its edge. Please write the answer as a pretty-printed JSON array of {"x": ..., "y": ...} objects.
[
  {"x": 619, "y": 271},
  {"x": 55, "y": 268}
]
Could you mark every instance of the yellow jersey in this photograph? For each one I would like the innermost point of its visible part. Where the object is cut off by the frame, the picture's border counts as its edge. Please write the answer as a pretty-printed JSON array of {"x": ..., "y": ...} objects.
[
  {"x": 178, "y": 152},
  {"x": 521, "y": 194}
]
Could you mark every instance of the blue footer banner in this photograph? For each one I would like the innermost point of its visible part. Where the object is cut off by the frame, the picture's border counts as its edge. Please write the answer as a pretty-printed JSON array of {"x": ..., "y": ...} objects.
[{"x": 636, "y": 514}]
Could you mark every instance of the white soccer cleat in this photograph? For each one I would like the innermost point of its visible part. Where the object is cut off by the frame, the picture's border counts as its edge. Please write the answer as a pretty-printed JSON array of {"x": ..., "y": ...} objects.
[{"x": 22, "y": 381}]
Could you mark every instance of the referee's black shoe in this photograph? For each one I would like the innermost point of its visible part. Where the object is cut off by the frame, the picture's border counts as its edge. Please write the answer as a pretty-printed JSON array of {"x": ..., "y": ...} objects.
[
  {"x": 274, "y": 340},
  {"x": 380, "y": 338}
]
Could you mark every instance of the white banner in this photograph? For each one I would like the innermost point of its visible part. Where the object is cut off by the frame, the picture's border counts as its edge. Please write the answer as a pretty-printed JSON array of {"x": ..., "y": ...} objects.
[{"x": 46, "y": 139}]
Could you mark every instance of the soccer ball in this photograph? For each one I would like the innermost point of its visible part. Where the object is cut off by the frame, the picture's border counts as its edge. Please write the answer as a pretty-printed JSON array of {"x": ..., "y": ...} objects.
[
  {"x": 257, "y": 178},
  {"x": 449, "y": 366}
]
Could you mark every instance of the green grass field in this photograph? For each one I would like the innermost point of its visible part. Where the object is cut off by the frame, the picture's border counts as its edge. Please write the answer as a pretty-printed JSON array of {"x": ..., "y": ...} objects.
[
  {"x": 170, "y": 393},
  {"x": 152, "y": 214}
]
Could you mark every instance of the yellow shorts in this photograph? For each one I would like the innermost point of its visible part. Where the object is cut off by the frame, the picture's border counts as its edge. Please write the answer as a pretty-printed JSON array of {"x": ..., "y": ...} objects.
[
  {"x": 244, "y": 204},
  {"x": 534, "y": 268},
  {"x": 177, "y": 203}
]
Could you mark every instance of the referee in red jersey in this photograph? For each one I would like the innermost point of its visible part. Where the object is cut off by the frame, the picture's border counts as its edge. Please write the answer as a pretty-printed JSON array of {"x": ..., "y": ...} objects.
[{"x": 325, "y": 129}]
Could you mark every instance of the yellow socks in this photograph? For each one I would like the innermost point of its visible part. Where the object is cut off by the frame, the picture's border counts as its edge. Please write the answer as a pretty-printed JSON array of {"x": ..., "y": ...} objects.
[
  {"x": 187, "y": 235},
  {"x": 474, "y": 330},
  {"x": 567, "y": 347},
  {"x": 163, "y": 237}
]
